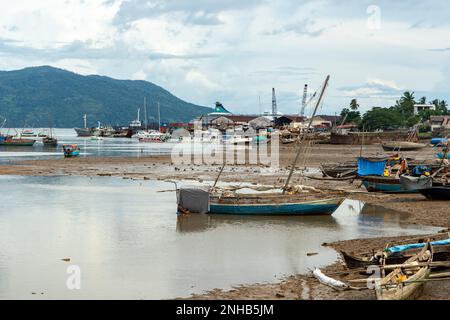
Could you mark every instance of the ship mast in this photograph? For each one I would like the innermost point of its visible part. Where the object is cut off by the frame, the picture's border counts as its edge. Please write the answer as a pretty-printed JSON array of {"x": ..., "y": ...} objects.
[{"x": 319, "y": 101}]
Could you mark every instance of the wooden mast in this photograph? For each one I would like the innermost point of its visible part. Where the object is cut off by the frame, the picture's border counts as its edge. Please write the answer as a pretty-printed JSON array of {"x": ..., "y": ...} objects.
[{"x": 307, "y": 130}]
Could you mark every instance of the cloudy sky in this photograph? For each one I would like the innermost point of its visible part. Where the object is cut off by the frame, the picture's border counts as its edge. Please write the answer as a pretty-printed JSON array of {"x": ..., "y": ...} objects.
[{"x": 235, "y": 51}]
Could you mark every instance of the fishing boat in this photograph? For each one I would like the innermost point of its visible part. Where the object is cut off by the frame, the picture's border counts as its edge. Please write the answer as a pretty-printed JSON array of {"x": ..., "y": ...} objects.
[
  {"x": 436, "y": 193},
  {"x": 406, "y": 281},
  {"x": 402, "y": 146},
  {"x": 273, "y": 204},
  {"x": 411, "y": 183},
  {"x": 154, "y": 137},
  {"x": 28, "y": 134},
  {"x": 441, "y": 252},
  {"x": 17, "y": 142},
  {"x": 290, "y": 200},
  {"x": 71, "y": 150},
  {"x": 50, "y": 142},
  {"x": 340, "y": 170}
]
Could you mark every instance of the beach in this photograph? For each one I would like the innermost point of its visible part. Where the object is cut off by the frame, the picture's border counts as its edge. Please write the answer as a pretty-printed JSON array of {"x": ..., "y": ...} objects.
[{"x": 418, "y": 210}]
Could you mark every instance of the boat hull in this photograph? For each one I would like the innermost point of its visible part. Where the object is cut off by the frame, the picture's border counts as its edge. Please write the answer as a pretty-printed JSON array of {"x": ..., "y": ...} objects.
[
  {"x": 318, "y": 207},
  {"x": 436, "y": 193},
  {"x": 17, "y": 143},
  {"x": 384, "y": 184}
]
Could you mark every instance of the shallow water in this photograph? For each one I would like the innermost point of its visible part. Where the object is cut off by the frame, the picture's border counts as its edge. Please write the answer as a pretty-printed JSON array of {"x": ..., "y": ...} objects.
[
  {"x": 130, "y": 244},
  {"x": 89, "y": 148}
]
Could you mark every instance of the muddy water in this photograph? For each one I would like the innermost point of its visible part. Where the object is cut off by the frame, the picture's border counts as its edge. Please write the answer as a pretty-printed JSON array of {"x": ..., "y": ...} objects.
[{"x": 125, "y": 241}]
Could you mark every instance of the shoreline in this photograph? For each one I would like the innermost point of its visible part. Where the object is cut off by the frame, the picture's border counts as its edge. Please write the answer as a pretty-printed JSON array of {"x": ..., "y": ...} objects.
[{"x": 419, "y": 210}]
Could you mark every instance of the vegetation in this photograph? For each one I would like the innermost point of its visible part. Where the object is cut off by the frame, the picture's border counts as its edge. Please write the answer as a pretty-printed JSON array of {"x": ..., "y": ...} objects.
[
  {"x": 401, "y": 115},
  {"x": 46, "y": 96}
]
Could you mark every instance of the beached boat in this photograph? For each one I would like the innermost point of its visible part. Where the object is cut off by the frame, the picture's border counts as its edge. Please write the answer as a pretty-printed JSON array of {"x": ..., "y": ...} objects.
[
  {"x": 411, "y": 183},
  {"x": 436, "y": 193},
  {"x": 383, "y": 184},
  {"x": 341, "y": 170},
  {"x": 71, "y": 150},
  {"x": 406, "y": 281},
  {"x": 402, "y": 146},
  {"x": 273, "y": 204}
]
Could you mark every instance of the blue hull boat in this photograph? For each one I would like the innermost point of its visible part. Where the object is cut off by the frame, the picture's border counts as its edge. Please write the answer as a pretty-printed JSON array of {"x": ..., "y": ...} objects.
[
  {"x": 384, "y": 184},
  {"x": 251, "y": 206}
]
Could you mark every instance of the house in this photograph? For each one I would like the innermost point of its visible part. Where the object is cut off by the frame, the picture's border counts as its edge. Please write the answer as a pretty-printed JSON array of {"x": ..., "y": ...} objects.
[
  {"x": 261, "y": 123},
  {"x": 439, "y": 122},
  {"x": 422, "y": 107},
  {"x": 288, "y": 120},
  {"x": 323, "y": 121}
]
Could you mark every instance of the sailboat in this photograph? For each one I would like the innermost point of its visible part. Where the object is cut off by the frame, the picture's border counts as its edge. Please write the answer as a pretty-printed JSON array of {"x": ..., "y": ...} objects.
[
  {"x": 283, "y": 202},
  {"x": 50, "y": 141}
]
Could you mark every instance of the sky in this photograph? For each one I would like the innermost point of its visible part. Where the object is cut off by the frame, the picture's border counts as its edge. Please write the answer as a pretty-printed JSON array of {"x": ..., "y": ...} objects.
[{"x": 235, "y": 51}]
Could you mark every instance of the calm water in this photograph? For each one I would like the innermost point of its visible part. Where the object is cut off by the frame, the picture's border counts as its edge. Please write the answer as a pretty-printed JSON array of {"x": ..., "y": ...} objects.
[
  {"x": 129, "y": 243},
  {"x": 91, "y": 148}
]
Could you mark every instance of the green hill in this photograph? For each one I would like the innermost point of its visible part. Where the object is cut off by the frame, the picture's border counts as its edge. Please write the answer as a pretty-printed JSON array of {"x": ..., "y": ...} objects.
[{"x": 47, "y": 96}]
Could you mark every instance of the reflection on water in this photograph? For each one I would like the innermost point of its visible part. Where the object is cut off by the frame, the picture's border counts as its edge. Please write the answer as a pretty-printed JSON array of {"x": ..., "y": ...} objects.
[{"x": 129, "y": 243}]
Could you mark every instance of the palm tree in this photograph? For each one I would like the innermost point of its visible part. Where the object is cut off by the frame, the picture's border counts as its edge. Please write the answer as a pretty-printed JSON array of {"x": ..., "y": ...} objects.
[{"x": 354, "y": 105}]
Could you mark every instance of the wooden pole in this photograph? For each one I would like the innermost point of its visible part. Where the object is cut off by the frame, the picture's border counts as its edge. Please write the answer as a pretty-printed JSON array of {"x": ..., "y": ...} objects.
[
  {"x": 307, "y": 129},
  {"x": 220, "y": 173}
]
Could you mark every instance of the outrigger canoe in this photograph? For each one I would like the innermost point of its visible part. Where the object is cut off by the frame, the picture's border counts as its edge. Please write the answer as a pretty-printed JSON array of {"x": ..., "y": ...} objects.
[{"x": 406, "y": 281}]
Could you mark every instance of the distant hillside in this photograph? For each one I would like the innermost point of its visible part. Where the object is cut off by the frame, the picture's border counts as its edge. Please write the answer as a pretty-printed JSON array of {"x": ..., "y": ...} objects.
[{"x": 47, "y": 96}]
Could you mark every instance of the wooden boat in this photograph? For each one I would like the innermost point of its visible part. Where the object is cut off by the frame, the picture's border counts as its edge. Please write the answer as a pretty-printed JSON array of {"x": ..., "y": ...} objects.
[
  {"x": 436, "y": 193},
  {"x": 402, "y": 146},
  {"x": 71, "y": 150},
  {"x": 406, "y": 281},
  {"x": 17, "y": 142},
  {"x": 362, "y": 262},
  {"x": 383, "y": 184},
  {"x": 273, "y": 204},
  {"x": 341, "y": 170},
  {"x": 411, "y": 183},
  {"x": 50, "y": 142}
]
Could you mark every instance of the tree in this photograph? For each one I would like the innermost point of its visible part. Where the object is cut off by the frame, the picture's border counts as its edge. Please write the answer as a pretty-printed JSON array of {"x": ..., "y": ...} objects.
[
  {"x": 354, "y": 105},
  {"x": 351, "y": 116},
  {"x": 382, "y": 118},
  {"x": 406, "y": 104}
]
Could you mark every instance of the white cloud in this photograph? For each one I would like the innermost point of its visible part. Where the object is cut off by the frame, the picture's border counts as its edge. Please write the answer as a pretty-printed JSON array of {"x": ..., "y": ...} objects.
[{"x": 235, "y": 51}]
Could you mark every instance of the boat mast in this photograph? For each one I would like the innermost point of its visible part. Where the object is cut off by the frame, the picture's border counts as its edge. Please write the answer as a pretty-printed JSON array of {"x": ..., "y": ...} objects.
[
  {"x": 319, "y": 101},
  {"x": 159, "y": 118},
  {"x": 85, "y": 121},
  {"x": 145, "y": 111}
]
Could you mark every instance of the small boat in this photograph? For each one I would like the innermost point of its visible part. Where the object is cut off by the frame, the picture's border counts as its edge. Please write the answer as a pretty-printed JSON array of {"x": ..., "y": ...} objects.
[
  {"x": 341, "y": 170},
  {"x": 411, "y": 183},
  {"x": 17, "y": 142},
  {"x": 50, "y": 142},
  {"x": 97, "y": 138},
  {"x": 383, "y": 184},
  {"x": 402, "y": 146},
  {"x": 406, "y": 281},
  {"x": 29, "y": 134},
  {"x": 154, "y": 137},
  {"x": 274, "y": 204},
  {"x": 71, "y": 150},
  {"x": 436, "y": 193}
]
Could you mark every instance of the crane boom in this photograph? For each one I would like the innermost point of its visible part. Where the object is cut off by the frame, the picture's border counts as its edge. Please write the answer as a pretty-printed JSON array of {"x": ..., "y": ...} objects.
[{"x": 305, "y": 94}]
